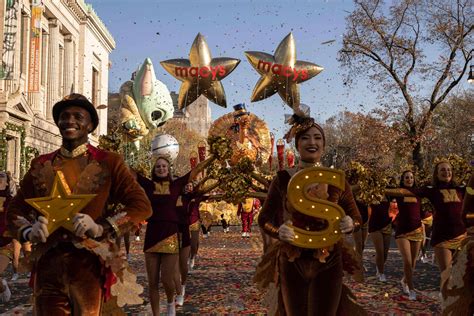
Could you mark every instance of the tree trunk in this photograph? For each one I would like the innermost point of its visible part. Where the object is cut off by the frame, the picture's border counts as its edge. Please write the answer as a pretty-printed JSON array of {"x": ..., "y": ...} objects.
[{"x": 418, "y": 156}]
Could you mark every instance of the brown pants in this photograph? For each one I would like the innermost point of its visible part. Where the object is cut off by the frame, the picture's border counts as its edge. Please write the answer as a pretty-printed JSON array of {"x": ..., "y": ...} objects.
[
  {"x": 309, "y": 287},
  {"x": 68, "y": 281}
]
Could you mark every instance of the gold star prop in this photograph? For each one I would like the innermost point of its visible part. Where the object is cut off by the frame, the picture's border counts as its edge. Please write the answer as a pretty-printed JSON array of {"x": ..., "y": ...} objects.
[
  {"x": 61, "y": 205},
  {"x": 200, "y": 74},
  {"x": 281, "y": 72}
]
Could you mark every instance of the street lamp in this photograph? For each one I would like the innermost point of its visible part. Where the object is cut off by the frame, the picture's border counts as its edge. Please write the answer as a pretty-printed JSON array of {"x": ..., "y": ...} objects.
[{"x": 470, "y": 79}]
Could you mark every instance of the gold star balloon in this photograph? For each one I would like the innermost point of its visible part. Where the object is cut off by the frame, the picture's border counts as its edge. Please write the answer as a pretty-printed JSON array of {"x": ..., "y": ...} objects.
[
  {"x": 200, "y": 74},
  {"x": 281, "y": 72},
  {"x": 61, "y": 205}
]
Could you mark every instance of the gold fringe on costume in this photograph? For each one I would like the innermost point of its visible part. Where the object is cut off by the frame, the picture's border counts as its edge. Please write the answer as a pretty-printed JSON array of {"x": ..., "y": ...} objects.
[
  {"x": 458, "y": 290},
  {"x": 454, "y": 244},
  {"x": 266, "y": 279},
  {"x": 267, "y": 268},
  {"x": 387, "y": 230},
  {"x": 6, "y": 251},
  {"x": 428, "y": 221},
  {"x": 167, "y": 245},
  {"x": 111, "y": 308},
  {"x": 125, "y": 290},
  {"x": 414, "y": 235},
  {"x": 195, "y": 226}
]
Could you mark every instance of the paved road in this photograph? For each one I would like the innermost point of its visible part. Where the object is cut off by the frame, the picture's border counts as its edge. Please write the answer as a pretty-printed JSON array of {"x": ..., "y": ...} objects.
[{"x": 221, "y": 282}]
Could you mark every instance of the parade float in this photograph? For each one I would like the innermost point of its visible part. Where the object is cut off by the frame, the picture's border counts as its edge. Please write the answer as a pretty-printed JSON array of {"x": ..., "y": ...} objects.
[
  {"x": 144, "y": 104},
  {"x": 241, "y": 143}
]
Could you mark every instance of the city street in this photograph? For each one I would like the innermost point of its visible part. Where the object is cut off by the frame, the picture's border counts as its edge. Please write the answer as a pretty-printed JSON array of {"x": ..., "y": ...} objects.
[{"x": 221, "y": 282}]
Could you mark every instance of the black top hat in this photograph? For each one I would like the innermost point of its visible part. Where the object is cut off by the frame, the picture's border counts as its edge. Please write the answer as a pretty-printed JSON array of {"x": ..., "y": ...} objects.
[
  {"x": 76, "y": 99},
  {"x": 240, "y": 109}
]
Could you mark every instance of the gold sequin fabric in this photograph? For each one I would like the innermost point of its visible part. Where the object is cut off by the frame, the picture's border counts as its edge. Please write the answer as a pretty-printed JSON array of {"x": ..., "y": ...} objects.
[
  {"x": 195, "y": 226},
  {"x": 454, "y": 244},
  {"x": 167, "y": 245},
  {"x": 387, "y": 230},
  {"x": 414, "y": 235},
  {"x": 6, "y": 251}
]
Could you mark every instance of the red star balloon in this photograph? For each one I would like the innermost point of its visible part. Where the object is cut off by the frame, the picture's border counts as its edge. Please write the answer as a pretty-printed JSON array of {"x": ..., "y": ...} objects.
[
  {"x": 200, "y": 74},
  {"x": 281, "y": 72}
]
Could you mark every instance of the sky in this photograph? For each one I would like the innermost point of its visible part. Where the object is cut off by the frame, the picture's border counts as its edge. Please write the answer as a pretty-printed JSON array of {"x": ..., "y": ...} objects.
[{"x": 164, "y": 30}]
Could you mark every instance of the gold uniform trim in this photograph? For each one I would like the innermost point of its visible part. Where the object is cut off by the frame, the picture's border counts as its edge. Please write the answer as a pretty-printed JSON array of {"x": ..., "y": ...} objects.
[
  {"x": 454, "y": 244},
  {"x": 387, "y": 230},
  {"x": 7, "y": 252},
  {"x": 195, "y": 226},
  {"x": 78, "y": 151},
  {"x": 428, "y": 221},
  {"x": 167, "y": 245},
  {"x": 409, "y": 199},
  {"x": 414, "y": 235}
]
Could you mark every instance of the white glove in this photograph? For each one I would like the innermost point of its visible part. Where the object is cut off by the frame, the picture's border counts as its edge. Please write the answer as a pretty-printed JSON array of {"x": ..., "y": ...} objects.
[
  {"x": 285, "y": 232},
  {"x": 346, "y": 225},
  {"x": 83, "y": 223},
  {"x": 39, "y": 230}
]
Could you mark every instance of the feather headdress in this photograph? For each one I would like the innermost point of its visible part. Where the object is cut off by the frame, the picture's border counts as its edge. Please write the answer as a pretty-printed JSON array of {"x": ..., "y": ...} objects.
[{"x": 300, "y": 121}]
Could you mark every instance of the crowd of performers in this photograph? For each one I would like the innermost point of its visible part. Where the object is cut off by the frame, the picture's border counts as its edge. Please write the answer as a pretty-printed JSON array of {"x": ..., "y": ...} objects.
[
  {"x": 286, "y": 271},
  {"x": 79, "y": 270}
]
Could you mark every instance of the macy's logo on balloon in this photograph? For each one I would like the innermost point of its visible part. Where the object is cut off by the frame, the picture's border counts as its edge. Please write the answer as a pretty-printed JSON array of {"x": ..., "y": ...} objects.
[
  {"x": 202, "y": 72},
  {"x": 282, "y": 70}
]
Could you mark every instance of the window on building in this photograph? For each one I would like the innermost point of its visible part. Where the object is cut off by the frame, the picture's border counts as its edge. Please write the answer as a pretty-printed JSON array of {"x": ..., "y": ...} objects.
[{"x": 95, "y": 86}]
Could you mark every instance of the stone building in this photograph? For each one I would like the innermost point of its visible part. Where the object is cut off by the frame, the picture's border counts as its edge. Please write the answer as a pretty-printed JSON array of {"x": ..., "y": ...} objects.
[
  {"x": 197, "y": 115},
  {"x": 50, "y": 49}
]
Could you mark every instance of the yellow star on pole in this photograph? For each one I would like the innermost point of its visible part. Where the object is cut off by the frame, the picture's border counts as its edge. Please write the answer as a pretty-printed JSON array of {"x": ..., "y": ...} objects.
[
  {"x": 200, "y": 74},
  {"x": 281, "y": 72},
  {"x": 61, "y": 205}
]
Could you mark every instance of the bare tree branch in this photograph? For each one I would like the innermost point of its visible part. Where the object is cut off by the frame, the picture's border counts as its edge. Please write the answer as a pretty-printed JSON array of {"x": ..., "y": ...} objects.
[{"x": 394, "y": 40}]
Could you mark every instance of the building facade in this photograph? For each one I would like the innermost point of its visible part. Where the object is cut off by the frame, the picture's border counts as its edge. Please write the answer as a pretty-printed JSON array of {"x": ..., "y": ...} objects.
[
  {"x": 197, "y": 116},
  {"x": 50, "y": 49}
]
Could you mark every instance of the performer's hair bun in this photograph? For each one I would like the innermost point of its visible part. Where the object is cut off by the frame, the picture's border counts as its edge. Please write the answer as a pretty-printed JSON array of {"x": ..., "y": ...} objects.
[{"x": 300, "y": 122}]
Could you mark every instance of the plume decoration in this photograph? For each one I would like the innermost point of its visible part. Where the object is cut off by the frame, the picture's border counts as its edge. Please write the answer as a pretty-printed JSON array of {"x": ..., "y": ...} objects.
[
  {"x": 220, "y": 147},
  {"x": 300, "y": 120},
  {"x": 372, "y": 184}
]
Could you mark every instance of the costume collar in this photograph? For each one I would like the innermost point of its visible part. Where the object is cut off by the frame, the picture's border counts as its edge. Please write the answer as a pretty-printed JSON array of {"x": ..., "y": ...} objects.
[
  {"x": 78, "y": 151},
  {"x": 303, "y": 164}
]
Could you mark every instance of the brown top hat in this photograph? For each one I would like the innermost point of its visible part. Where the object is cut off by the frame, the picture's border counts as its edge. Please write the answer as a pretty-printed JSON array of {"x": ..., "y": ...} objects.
[{"x": 76, "y": 99}]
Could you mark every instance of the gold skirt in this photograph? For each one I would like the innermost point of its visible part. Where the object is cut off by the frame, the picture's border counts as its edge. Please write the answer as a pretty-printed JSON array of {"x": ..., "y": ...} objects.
[
  {"x": 414, "y": 235},
  {"x": 195, "y": 226},
  {"x": 168, "y": 245},
  {"x": 454, "y": 244},
  {"x": 387, "y": 230},
  {"x": 6, "y": 251},
  {"x": 428, "y": 221}
]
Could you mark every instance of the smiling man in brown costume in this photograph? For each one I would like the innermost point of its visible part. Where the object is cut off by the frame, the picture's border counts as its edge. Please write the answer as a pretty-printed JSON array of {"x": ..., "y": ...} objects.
[{"x": 70, "y": 274}]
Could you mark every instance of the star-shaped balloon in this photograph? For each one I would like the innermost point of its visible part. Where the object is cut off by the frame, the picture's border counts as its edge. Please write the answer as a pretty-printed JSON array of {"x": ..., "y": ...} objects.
[
  {"x": 281, "y": 72},
  {"x": 61, "y": 205},
  {"x": 200, "y": 74}
]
